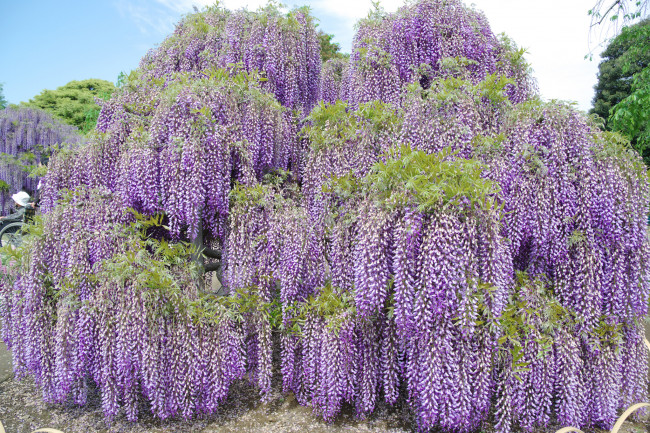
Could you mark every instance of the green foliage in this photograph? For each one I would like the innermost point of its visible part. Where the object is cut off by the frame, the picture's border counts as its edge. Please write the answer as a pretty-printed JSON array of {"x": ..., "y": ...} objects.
[
  {"x": 533, "y": 314},
  {"x": 631, "y": 116},
  {"x": 452, "y": 88},
  {"x": 121, "y": 80},
  {"x": 513, "y": 54},
  {"x": 372, "y": 55},
  {"x": 488, "y": 146},
  {"x": 256, "y": 195},
  {"x": 233, "y": 77},
  {"x": 170, "y": 279},
  {"x": 3, "y": 101},
  {"x": 331, "y": 125},
  {"x": 27, "y": 162},
  {"x": 124, "y": 79},
  {"x": 277, "y": 190},
  {"x": 328, "y": 49},
  {"x": 454, "y": 66},
  {"x": 74, "y": 103},
  {"x": 165, "y": 274},
  {"x": 623, "y": 89},
  {"x": 329, "y": 303},
  {"x": 614, "y": 146},
  {"x": 430, "y": 181}
]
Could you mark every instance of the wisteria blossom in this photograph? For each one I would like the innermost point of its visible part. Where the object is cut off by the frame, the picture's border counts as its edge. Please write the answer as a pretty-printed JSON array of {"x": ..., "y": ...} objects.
[{"x": 411, "y": 225}]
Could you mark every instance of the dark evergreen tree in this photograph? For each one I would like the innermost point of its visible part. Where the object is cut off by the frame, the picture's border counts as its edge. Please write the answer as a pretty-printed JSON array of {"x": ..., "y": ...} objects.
[
  {"x": 616, "y": 69},
  {"x": 329, "y": 49},
  {"x": 623, "y": 88}
]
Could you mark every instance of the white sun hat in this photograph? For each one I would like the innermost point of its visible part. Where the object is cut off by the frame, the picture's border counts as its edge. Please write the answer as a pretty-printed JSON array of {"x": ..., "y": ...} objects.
[{"x": 21, "y": 197}]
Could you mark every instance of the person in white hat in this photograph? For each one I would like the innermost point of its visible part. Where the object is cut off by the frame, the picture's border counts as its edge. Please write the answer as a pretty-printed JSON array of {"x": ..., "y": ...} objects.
[{"x": 21, "y": 199}]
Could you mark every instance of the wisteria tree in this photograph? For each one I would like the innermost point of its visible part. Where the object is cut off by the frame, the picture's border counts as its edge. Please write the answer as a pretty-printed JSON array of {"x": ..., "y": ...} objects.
[
  {"x": 27, "y": 136},
  {"x": 412, "y": 225}
]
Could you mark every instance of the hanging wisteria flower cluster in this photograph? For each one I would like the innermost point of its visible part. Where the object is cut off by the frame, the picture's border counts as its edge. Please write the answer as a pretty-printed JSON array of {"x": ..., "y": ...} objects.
[
  {"x": 26, "y": 136},
  {"x": 284, "y": 46},
  {"x": 413, "y": 44},
  {"x": 410, "y": 226},
  {"x": 181, "y": 153}
]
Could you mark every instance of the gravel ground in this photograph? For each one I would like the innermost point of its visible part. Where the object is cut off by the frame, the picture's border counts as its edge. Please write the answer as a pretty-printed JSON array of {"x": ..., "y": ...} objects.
[{"x": 22, "y": 410}]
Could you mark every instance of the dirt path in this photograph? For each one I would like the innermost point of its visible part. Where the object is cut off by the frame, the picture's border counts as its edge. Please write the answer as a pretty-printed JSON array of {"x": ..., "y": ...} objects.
[{"x": 6, "y": 371}]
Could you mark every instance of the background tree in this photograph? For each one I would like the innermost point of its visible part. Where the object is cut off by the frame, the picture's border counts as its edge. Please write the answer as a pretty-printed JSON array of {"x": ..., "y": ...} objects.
[
  {"x": 74, "y": 103},
  {"x": 3, "y": 101},
  {"x": 329, "y": 49},
  {"x": 617, "y": 68},
  {"x": 623, "y": 76}
]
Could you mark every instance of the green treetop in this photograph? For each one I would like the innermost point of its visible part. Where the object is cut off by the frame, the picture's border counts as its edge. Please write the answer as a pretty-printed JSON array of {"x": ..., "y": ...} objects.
[
  {"x": 74, "y": 103},
  {"x": 329, "y": 49}
]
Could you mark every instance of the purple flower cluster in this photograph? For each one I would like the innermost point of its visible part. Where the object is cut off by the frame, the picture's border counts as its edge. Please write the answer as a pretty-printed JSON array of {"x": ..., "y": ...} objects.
[
  {"x": 284, "y": 47},
  {"x": 332, "y": 79},
  {"x": 112, "y": 331},
  {"x": 414, "y": 45},
  {"x": 181, "y": 152}
]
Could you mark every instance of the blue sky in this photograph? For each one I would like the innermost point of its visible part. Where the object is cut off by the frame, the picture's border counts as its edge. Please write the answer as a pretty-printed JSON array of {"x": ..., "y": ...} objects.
[{"x": 45, "y": 44}]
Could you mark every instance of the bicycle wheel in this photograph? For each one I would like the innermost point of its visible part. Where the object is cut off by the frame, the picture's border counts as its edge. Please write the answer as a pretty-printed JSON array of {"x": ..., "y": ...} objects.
[{"x": 11, "y": 235}]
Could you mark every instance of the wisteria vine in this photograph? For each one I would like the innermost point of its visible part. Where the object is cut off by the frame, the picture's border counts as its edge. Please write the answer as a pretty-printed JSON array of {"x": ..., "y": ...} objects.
[{"x": 411, "y": 226}]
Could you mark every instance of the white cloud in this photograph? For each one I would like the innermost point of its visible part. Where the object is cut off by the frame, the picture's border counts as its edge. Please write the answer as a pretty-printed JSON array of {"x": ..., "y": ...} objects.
[
  {"x": 177, "y": 6},
  {"x": 251, "y": 5},
  {"x": 160, "y": 16}
]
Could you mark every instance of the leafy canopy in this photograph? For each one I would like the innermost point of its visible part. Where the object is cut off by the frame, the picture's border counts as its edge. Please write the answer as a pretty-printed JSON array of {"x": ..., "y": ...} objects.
[
  {"x": 623, "y": 89},
  {"x": 74, "y": 103},
  {"x": 328, "y": 49}
]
